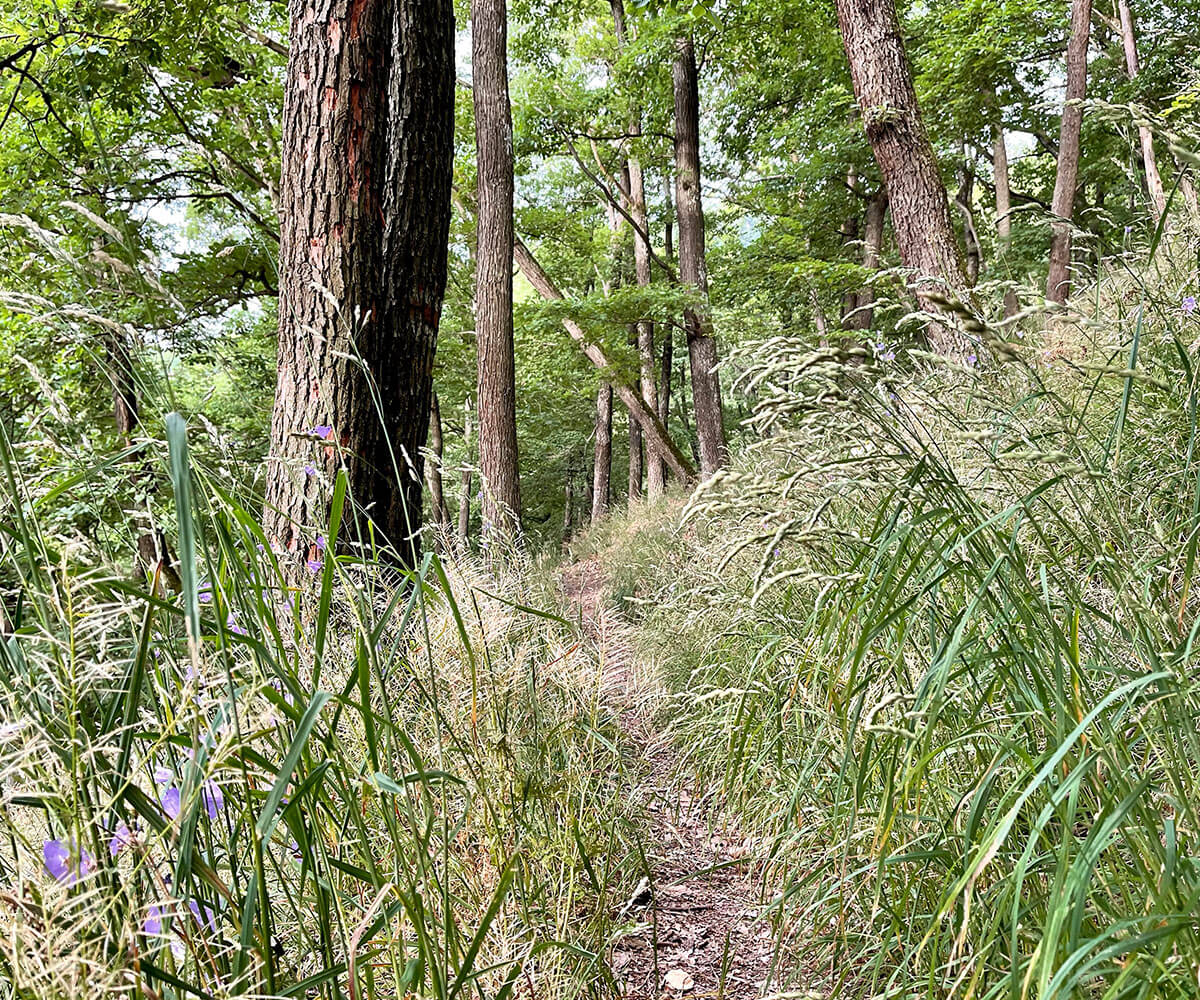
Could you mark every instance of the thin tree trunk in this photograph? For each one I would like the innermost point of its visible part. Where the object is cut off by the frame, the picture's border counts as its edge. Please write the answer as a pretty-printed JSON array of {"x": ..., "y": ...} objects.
[
  {"x": 656, "y": 469},
  {"x": 965, "y": 202},
  {"x": 1154, "y": 183},
  {"x": 1003, "y": 209},
  {"x": 365, "y": 213},
  {"x": 602, "y": 456},
  {"x": 464, "y": 496},
  {"x": 702, "y": 347},
  {"x": 1058, "y": 280},
  {"x": 876, "y": 215},
  {"x": 644, "y": 415},
  {"x": 636, "y": 459},
  {"x": 433, "y": 473},
  {"x": 568, "y": 505},
  {"x": 497, "y": 395},
  {"x": 892, "y": 120},
  {"x": 668, "y": 330}
]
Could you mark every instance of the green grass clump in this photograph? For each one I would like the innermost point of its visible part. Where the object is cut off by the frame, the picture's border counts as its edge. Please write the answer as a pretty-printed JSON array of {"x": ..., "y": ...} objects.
[
  {"x": 372, "y": 784},
  {"x": 934, "y": 636}
]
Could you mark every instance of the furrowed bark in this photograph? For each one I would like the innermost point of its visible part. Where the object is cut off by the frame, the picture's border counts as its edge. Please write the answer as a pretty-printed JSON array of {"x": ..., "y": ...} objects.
[
  {"x": 365, "y": 213},
  {"x": 891, "y": 117}
]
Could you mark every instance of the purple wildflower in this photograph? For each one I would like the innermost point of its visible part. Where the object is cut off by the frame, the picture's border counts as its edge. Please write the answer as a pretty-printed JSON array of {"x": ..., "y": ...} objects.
[
  {"x": 213, "y": 798},
  {"x": 153, "y": 924},
  {"x": 170, "y": 802},
  {"x": 231, "y": 623},
  {"x": 323, "y": 431},
  {"x": 314, "y": 565},
  {"x": 204, "y": 915},
  {"x": 1189, "y": 303},
  {"x": 65, "y": 862},
  {"x": 310, "y": 470},
  {"x": 205, "y": 594},
  {"x": 320, "y": 543},
  {"x": 122, "y": 837}
]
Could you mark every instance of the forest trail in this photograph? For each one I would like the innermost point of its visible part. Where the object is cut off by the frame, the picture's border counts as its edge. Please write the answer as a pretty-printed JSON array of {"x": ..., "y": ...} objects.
[{"x": 695, "y": 933}]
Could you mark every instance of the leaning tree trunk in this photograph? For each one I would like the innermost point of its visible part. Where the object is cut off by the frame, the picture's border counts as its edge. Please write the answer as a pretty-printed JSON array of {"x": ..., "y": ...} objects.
[
  {"x": 1058, "y": 281},
  {"x": 920, "y": 209},
  {"x": 497, "y": 394},
  {"x": 368, "y": 136},
  {"x": 702, "y": 346},
  {"x": 433, "y": 473},
  {"x": 602, "y": 456},
  {"x": 1154, "y": 184}
]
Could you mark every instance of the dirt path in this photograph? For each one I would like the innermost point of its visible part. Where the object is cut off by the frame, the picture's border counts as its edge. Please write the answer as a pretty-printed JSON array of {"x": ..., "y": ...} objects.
[{"x": 693, "y": 923}]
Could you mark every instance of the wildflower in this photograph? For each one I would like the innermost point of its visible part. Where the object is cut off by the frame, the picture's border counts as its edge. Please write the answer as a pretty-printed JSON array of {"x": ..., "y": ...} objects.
[
  {"x": 323, "y": 431},
  {"x": 310, "y": 470},
  {"x": 153, "y": 924},
  {"x": 320, "y": 543},
  {"x": 65, "y": 862},
  {"x": 1189, "y": 303},
  {"x": 170, "y": 802},
  {"x": 213, "y": 798},
  {"x": 204, "y": 593},
  {"x": 231, "y": 623},
  {"x": 314, "y": 565},
  {"x": 122, "y": 837},
  {"x": 205, "y": 917},
  {"x": 971, "y": 359}
]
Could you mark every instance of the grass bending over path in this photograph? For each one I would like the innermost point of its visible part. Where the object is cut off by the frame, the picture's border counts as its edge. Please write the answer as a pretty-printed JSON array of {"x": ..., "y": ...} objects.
[
  {"x": 367, "y": 787},
  {"x": 934, "y": 636}
]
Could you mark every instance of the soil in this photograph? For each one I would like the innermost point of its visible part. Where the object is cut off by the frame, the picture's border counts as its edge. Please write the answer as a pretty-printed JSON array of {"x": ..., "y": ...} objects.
[{"x": 693, "y": 928}]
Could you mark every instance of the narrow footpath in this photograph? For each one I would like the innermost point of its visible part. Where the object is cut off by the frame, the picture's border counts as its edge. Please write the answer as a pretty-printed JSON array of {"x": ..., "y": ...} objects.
[{"x": 693, "y": 916}]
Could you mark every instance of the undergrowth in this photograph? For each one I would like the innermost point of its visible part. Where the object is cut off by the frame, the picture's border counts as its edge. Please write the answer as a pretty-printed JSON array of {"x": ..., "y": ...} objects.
[{"x": 932, "y": 636}]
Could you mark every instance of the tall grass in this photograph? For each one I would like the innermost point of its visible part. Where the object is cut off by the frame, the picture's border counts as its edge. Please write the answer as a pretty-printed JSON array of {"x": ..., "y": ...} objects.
[
  {"x": 374, "y": 784},
  {"x": 935, "y": 636}
]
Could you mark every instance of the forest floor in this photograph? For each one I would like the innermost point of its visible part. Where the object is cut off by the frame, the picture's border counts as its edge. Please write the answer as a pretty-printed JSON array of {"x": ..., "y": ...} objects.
[{"x": 694, "y": 932}]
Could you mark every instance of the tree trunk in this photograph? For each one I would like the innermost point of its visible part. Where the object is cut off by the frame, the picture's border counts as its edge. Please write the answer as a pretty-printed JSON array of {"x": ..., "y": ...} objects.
[
  {"x": 1003, "y": 209},
  {"x": 644, "y": 415},
  {"x": 892, "y": 121},
  {"x": 568, "y": 505},
  {"x": 702, "y": 347},
  {"x": 497, "y": 395},
  {"x": 965, "y": 201},
  {"x": 602, "y": 456},
  {"x": 872, "y": 253},
  {"x": 1154, "y": 184},
  {"x": 365, "y": 213},
  {"x": 668, "y": 331},
  {"x": 1058, "y": 281},
  {"x": 464, "y": 497},
  {"x": 636, "y": 464},
  {"x": 433, "y": 473}
]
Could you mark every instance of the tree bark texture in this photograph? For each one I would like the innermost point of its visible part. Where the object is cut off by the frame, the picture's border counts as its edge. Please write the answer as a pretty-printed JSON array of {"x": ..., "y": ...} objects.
[
  {"x": 433, "y": 473},
  {"x": 644, "y": 415},
  {"x": 702, "y": 347},
  {"x": 1154, "y": 184},
  {"x": 964, "y": 200},
  {"x": 365, "y": 212},
  {"x": 602, "y": 456},
  {"x": 872, "y": 251},
  {"x": 1058, "y": 280},
  {"x": 920, "y": 208},
  {"x": 497, "y": 394},
  {"x": 464, "y": 497}
]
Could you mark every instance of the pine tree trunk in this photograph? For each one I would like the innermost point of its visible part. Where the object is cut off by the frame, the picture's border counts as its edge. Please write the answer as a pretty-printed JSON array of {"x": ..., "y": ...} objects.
[
  {"x": 1003, "y": 210},
  {"x": 497, "y": 402},
  {"x": 602, "y": 456},
  {"x": 433, "y": 473},
  {"x": 702, "y": 347},
  {"x": 1058, "y": 281},
  {"x": 1154, "y": 184},
  {"x": 873, "y": 226},
  {"x": 464, "y": 496},
  {"x": 892, "y": 120},
  {"x": 365, "y": 213}
]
